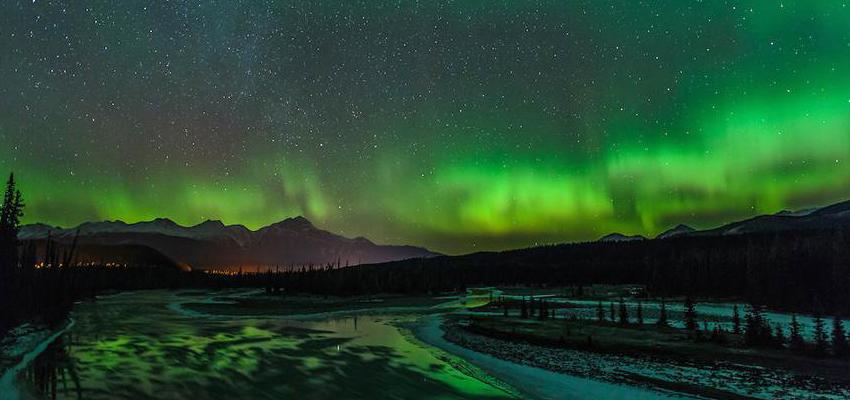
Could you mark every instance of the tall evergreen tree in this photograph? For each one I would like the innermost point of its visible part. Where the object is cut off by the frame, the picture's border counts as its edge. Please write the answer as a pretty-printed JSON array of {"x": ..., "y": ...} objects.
[
  {"x": 662, "y": 315},
  {"x": 736, "y": 320},
  {"x": 624, "y": 313},
  {"x": 600, "y": 312},
  {"x": 10, "y": 219},
  {"x": 542, "y": 314},
  {"x": 639, "y": 312},
  {"x": 690, "y": 315},
  {"x": 820, "y": 336},
  {"x": 523, "y": 309},
  {"x": 839, "y": 338},
  {"x": 779, "y": 336},
  {"x": 611, "y": 314},
  {"x": 756, "y": 330},
  {"x": 795, "y": 337}
]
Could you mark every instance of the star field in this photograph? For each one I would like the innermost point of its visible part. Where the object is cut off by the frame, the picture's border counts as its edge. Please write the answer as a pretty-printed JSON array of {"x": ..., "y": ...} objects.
[{"x": 461, "y": 125}]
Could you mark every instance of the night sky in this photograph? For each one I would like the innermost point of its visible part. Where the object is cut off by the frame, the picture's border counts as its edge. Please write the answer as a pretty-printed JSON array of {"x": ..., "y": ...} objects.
[{"x": 459, "y": 126}]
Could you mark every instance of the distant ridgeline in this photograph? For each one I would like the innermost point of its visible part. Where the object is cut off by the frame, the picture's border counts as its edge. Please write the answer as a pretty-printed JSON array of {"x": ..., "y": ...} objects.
[
  {"x": 792, "y": 261},
  {"x": 213, "y": 245}
]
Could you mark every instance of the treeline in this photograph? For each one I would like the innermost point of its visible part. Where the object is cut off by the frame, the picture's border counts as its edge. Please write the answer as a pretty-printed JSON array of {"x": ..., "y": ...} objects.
[
  {"x": 805, "y": 271},
  {"x": 753, "y": 330},
  {"x": 41, "y": 280}
]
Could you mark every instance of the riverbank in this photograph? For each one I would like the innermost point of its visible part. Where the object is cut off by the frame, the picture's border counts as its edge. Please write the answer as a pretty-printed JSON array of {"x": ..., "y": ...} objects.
[
  {"x": 25, "y": 343},
  {"x": 720, "y": 380},
  {"x": 532, "y": 381},
  {"x": 139, "y": 345}
]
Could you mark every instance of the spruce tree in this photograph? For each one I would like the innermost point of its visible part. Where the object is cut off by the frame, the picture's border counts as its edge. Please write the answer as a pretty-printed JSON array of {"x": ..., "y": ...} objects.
[
  {"x": 600, "y": 312},
  {"x": 542, "y": 314},
  {"x": 756, "y": 330},
  {"x": 662, "y": 315},
  {"x": 624, "y": 313},
  {"x": 795, "y": 339},
  {"x": 717, "y": 334},
  {"x": 523, "y": 309},
  {"x": 754, "y": 326},
  {"x": 10, "y": 220},
  {"x": 611, "y": 314},
  {"x": 639, "y": 313},
  {"x": 839, "y": 338},
  {"x": 736, "y": 320},
  {"x": 779, "y": 336},
  {"x": 820, "y": 336},
  {"x": 690, "y": 315}
]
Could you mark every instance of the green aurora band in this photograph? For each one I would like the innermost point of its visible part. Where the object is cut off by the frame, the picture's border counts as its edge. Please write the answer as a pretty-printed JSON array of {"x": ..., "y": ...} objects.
[{"x": 463, "y": 126}]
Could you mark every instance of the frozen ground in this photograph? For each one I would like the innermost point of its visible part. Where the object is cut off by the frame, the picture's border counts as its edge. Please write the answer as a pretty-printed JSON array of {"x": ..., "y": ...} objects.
[
  {"x": 532, "y": 381},
  {"x": 140, "y": 343},
  {"x": 710, "y": 313},
  {"x": 717, "y": 380},
  {"x": 27, "y": 343}
]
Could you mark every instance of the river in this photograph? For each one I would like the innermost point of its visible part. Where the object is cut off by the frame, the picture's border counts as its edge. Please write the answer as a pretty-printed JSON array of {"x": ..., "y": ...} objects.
[{"x": 150, "y": 345}]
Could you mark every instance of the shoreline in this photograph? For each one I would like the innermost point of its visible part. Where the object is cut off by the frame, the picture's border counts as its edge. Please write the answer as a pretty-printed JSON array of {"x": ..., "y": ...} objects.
[
  {"x": 705, "y": 380},
  {"x": 533, "y": 381},
  {"x": 8, "y": 377}
]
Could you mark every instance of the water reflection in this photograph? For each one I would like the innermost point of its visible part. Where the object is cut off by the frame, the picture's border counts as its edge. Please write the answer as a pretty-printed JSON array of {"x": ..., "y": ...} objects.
[
  {"x": 135, "y": 347},
  {"x": 53, "y": 372}
]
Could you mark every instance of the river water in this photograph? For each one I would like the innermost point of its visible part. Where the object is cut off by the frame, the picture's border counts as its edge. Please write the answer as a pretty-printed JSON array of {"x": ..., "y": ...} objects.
[{"x": 150, "y": 345}]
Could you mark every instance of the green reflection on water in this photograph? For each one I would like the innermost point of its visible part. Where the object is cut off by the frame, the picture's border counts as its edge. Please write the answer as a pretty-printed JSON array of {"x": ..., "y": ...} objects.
[{"x": 134, "y": 347}]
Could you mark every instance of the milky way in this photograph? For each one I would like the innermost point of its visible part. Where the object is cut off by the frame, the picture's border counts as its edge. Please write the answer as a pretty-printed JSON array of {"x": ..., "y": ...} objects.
[{"x": 459, "y": 126}]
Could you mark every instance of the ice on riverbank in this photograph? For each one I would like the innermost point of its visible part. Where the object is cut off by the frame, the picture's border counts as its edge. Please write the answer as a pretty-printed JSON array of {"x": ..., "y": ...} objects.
[
  {"x": 732, "y": 379},
  {"x": 27, "y": 343},
  {"x": 533, "y": 381}
]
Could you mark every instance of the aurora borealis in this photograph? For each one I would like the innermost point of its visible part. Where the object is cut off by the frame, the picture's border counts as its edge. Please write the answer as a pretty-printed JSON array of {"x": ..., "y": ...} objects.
[{"x": 459, "y": 126}]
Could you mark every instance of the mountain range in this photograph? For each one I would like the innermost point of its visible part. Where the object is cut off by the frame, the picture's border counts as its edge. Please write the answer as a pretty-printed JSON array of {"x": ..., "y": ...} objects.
[
  {"x": 296, "y": 241},
  {"x": 836, "y": 216},
  {"x": 212, "y": 244}
]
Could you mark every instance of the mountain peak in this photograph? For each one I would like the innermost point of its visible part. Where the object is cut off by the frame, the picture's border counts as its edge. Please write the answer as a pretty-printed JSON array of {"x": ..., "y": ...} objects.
[
  {"x": 679, "y": 230},
  {"x": 163, "y": 222},
  {"x": 298, "y": 222},
  {"x": 210, "y": 223},
  {"x": 619, "y": 237}
]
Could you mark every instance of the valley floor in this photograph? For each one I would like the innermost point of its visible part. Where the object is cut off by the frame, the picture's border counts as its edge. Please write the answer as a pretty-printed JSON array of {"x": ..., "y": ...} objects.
[
  {"x": 459, "y": 345},
  {"x": 665, "y": 360}
]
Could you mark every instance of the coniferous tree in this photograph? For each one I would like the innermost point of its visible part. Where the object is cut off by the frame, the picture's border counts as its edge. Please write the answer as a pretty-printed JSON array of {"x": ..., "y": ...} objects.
[
  {"x": 542, "y": 314},
  {"x": 795, "y": 338},
  {"x": 9, "y": 213},
  {"x": 754, "y": 325},
  {"x": 10, "y": 219},
  {"x": 779, "y": 336},
  {"x": 717, "y": 334},
  {"x": 662, "y": 315},
  {"x": 523, "y": 309},
  {"x": 839, "y": 338},
  {"x": 600, "y": 312},
  {"x": 624, "y": 313},
  {"x": 736, "y": 320},
  {"x": 690, "y": 315},
  {"x": 820, "y": 336},
  {"x": 611, "y": 314},
  {"x": 639, "y": 313}
]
